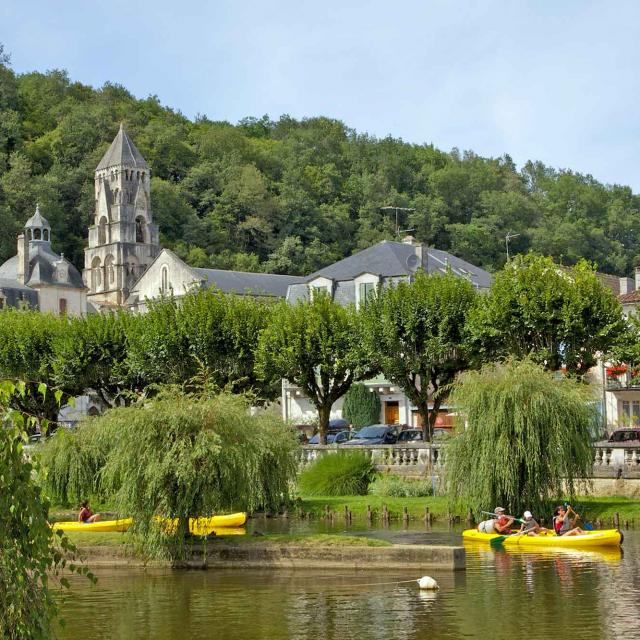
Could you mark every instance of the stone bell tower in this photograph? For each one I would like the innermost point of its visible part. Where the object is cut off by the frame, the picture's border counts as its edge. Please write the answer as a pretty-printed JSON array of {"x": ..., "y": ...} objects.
[{"x": 123, "y": 241}]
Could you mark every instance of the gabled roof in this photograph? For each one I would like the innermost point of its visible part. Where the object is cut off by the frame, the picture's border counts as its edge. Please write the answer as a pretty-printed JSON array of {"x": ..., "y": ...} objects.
[
  {"x": 246, "y": 283},
  {"x": 122, "y": 152},
  {"x": 389, "y": 258}
]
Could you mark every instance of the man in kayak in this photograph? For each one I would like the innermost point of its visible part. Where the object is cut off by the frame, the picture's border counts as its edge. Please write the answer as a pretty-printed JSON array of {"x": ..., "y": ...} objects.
[
  {"x": 499, "y": 524},
  {"x": 567, "y": 527},
  {"x": 86, "y": 516}
]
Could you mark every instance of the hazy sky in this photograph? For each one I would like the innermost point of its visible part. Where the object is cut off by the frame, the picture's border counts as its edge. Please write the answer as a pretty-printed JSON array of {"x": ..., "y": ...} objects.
[{"x": 556, "y": 81}]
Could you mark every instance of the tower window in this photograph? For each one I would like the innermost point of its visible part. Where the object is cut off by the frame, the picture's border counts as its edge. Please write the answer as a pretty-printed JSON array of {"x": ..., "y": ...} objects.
[
  {"x": 96, "y": 274},
  {"x": 37, "y": 234},
  {"x": 102, "y": 231},
  {"x": 62, "y": 306},
  {"x": 140, "y": 229}
]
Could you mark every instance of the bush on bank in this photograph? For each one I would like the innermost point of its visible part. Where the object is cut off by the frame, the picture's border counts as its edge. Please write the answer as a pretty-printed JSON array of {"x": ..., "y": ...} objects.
[{"x": 345, "y": 473}]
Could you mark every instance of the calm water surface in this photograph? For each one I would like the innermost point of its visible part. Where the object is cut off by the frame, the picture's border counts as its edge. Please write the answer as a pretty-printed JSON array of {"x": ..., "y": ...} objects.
[{"x": 557, "y": 594}]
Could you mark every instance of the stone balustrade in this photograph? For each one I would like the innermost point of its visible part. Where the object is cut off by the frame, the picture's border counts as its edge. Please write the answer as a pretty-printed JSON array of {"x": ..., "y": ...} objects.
[
  {"x": 401, "y": 459},
  {"x": 620, "y": 461}
]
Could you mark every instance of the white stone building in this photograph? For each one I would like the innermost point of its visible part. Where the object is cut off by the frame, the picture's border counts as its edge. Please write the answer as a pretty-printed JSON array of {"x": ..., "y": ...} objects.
[{"x": 39, "y": 278}]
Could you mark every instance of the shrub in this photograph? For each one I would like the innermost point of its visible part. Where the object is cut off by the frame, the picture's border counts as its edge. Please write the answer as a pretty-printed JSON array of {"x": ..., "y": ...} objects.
[
  {"x": 338, "y": 474},
  {"x": 396, "y": 487},
  {"x": 361, "y": 408}
]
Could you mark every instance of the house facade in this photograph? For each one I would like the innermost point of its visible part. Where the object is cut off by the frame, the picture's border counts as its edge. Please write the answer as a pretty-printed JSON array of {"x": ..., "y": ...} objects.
[{"x": 350, "y": 281}]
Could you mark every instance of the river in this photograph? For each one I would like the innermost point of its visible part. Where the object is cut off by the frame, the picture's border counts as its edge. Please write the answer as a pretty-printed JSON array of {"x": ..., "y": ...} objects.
[{"x": 501, "y": 594}]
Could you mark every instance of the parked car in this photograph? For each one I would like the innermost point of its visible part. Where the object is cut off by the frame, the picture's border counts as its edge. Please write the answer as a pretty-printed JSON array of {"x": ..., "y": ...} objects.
[
  {"x": 625, "y": 436},
  {"x": 375, "y": 434},
  {"x": 338, "y": 424},
  {"x": 410, "y": 435},
  {"x": 338, "y": 437}
]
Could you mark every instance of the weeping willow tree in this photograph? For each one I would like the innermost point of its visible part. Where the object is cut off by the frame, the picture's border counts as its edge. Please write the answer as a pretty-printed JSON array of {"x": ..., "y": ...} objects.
[
  {"x": 523, "y": 437},
  {"x": 176, "y": 456}
]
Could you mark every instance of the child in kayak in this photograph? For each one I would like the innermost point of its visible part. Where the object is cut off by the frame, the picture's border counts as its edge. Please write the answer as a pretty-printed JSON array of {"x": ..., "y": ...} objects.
[
  {"x": 499, "y": 524},
  {"x": 530, "y": 527},
  {"x": 87, "y": 516}
]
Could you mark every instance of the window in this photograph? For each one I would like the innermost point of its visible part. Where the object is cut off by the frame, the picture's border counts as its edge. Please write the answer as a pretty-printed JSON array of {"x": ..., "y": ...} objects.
[
  {"x": 635, "y": 414},
  {"x": 102, "y": 231},
  {"x": 366, "y": 290},
  {"x": 320, "y": 290},
  {"x": 37, "y": 234},
  {"x": 165, "y": 279},
  {"x": 1, "y": 303},
  {"x": 139, "y": 230},
  {"x": 626, "y": 409},
  {"x": 62, "y": 306}
]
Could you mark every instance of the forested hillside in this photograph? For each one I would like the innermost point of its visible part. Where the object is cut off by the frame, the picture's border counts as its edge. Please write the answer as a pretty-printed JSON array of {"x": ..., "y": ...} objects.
[{"x": 290, "y": 196}]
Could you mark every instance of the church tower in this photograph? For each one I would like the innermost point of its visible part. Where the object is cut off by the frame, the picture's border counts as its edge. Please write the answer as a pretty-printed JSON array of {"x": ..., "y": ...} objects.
[{"x": 123, "y": 241}]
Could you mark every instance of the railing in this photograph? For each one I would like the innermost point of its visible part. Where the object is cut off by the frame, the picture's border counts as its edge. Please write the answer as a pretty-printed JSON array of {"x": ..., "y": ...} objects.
[
  {"x": 402, "y": 459},
  {"x": 622, "y": 382},
  {"x": 619, "y": 461}
]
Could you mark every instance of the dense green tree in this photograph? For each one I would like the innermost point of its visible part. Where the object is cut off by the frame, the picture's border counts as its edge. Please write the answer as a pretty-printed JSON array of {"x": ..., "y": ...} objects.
[
  {"x": 262, "y": 186},
  {"x": 361, "y": 407},
  {"x": 316, "y": 345},
  {"x": 559, "y": 317},
  {"x": 178, "y": 457},
  {"x": 415, "y": 333},
  {"x": 524, "y": 437},
  {"x": 26, "y": 354}
]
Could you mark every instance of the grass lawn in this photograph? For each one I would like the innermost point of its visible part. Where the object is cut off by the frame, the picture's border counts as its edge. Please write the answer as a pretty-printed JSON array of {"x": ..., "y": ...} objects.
[
  {"x": 438, "y": 506},
  {"x": 114, "y": 539}
]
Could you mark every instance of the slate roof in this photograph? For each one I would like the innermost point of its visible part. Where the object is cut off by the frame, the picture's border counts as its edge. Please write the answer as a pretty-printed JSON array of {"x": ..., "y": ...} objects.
[
  {"x": 259, "y": 284},
  {"x": 15, "y": 293},
  {"x": 37, "y": 221},
  {"x": 122, "y": 152},
  {"x": 389, "y": 258},
  {"x": 43, "y": 268}
]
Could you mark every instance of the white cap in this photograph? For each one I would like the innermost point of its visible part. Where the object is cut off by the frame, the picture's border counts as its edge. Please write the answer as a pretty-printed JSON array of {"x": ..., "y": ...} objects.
[
  {"x": 528, "y": 514},
  {"x": 498, "y": 510}
]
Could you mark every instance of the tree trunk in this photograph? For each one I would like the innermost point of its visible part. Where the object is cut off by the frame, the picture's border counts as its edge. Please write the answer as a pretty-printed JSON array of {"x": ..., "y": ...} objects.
[
  {"x": 427, "y": 422},
  {"x": 324, "y": 412}
]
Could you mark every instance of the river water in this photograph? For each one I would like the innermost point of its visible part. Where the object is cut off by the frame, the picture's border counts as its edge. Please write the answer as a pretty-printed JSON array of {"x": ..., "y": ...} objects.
[{"x": 501, "y": 594}]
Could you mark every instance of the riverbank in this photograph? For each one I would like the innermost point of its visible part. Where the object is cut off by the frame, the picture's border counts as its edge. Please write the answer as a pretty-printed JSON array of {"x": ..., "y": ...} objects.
[{"x": 318, "y": 551}]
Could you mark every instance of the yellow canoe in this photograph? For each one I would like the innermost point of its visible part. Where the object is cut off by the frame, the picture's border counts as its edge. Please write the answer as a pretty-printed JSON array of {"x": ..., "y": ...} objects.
[
  {"x": 603, "y": 538},
  {"x": 198, "y": 526}
]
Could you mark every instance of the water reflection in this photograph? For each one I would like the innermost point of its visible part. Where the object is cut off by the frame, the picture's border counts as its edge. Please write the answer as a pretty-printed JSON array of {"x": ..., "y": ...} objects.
[{"x": 594, "y": 594}]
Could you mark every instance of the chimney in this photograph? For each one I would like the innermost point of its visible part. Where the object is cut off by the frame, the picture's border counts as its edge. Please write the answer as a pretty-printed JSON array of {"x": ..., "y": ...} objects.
[
  {"x": 23, "y": 258},
  {"x": 637, "y": 283},
  {"x": 626, "y": 285}
]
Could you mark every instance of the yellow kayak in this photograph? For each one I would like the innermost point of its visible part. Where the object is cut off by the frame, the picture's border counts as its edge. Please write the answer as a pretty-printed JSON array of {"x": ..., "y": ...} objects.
[
  {"x": 603, "y": 538},
  {"x": 198, "y": 526},
  {"x": 94, "y": 527}
]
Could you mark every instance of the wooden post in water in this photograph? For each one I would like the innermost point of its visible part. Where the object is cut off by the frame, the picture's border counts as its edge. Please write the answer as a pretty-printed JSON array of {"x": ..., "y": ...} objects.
[
  {"x": 405, "y": 516},
  {"x": 346, "y": 513},
  {"x": 616, "y": 520},
  {"x": 385, "y": 514},
  {"x": 369, "y": 514},
  {"x": 469, "y": 518}
]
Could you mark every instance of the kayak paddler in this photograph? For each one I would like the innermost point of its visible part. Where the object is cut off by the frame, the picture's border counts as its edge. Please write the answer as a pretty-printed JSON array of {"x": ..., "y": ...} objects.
[{"x": 499, "y": 524}]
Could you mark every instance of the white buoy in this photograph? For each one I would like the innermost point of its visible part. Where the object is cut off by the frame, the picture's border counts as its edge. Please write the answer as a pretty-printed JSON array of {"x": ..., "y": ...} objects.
[{"x": 428, "y": 583}]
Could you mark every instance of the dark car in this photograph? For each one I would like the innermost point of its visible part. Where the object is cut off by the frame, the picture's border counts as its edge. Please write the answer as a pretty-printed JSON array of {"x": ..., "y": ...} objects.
[
  {"x": 375, "y": 434},
  {"x": 339, "y": 437},
  {"x": 625, "y": 436},
  {"x": 410, "y": 435},
  {"x": 338, "y": 424}
]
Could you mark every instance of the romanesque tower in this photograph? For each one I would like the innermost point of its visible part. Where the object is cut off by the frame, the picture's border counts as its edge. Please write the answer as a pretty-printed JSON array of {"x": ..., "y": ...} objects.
[{"x": 123, "y": 240}]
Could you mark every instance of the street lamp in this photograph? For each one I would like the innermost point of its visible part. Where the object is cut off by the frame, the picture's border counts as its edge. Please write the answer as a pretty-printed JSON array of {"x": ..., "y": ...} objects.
[
  {"x": 397, "y": 209},
  {"x": 507, "y": 238}
]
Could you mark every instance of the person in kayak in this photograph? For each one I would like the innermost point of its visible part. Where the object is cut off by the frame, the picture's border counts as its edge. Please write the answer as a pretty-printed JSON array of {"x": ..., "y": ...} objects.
[
  {"x": 499, "y": 524},
  {"x": 567, "y": 526},
  {"x": 530, "y": 527},
  {"x": 86, "y": 516}
]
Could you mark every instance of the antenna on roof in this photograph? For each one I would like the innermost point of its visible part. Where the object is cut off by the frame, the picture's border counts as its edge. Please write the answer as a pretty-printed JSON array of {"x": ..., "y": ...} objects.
[{"x": 397, "y": 209}]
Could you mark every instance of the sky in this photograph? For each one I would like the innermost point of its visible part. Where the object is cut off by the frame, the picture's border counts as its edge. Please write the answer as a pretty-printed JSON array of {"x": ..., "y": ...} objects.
[{"x": 555, "y": 81}]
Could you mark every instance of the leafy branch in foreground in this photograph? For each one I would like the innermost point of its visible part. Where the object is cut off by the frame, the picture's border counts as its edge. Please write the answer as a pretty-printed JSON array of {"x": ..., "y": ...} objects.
[{"x": 31, "y": 554}]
